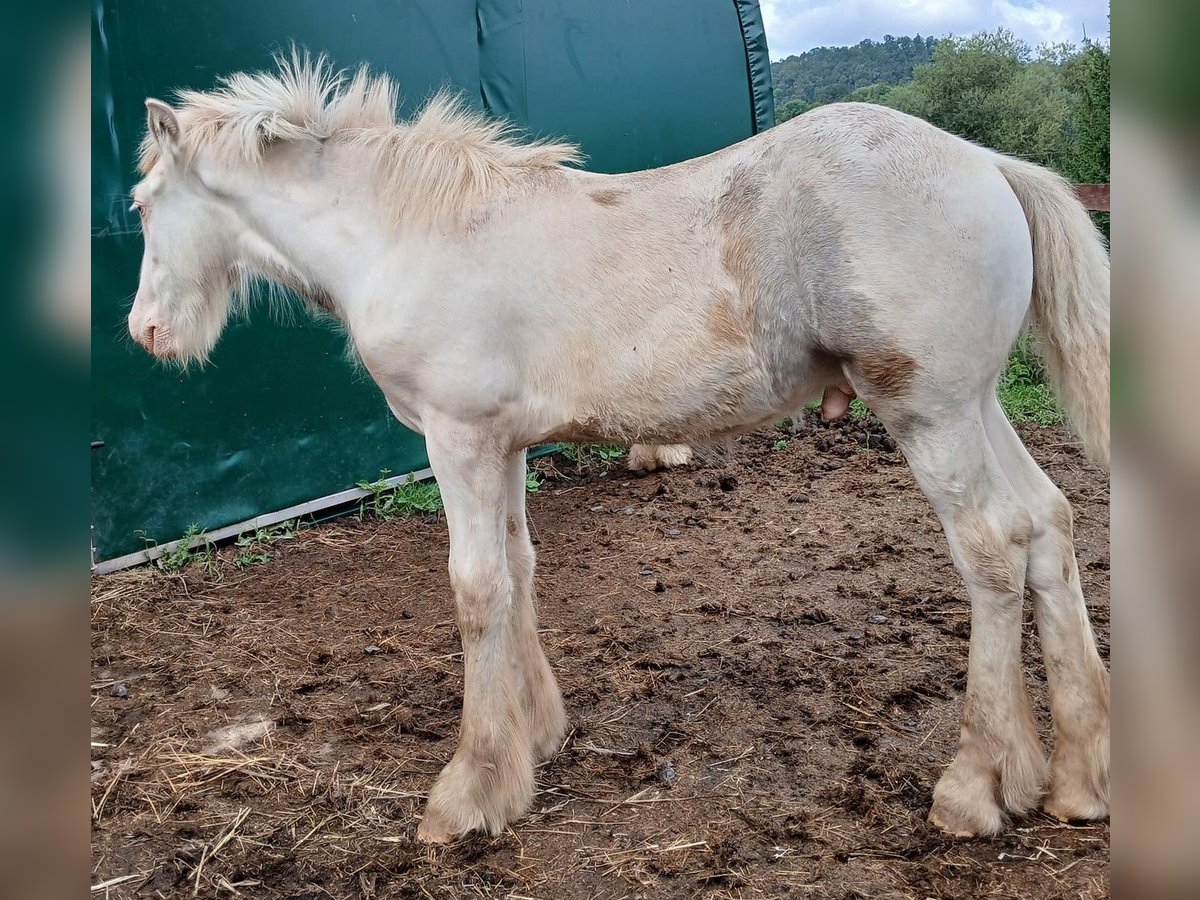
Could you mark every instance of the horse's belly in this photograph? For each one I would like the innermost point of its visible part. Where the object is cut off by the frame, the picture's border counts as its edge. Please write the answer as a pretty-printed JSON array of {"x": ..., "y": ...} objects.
[{"x": 689, "y": 399}]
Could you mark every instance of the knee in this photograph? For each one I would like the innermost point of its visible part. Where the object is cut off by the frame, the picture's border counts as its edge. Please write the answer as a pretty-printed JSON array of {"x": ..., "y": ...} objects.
[
  {"x": 1054, "y": 517},
  {"x": 1053, "y": 561},
  {"x": 995, "y": 550},
  {"x": 1062, "y": 519}
]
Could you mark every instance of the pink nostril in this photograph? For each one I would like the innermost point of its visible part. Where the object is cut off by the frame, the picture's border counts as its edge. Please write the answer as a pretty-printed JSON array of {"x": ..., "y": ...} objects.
[{"x": 150, "y": 338}]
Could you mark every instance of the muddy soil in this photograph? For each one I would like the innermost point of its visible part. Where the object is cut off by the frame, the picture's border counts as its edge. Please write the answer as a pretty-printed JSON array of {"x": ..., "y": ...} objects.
[{"x": 763, "y": 656}]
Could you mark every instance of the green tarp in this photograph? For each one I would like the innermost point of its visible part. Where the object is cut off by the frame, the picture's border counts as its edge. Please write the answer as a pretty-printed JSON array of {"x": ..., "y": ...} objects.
[{"x": 280, "y": 416}]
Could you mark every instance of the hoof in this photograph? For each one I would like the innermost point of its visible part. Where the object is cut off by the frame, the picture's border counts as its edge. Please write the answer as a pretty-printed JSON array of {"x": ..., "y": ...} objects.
[
  {"x": 641, "y": 458},
  {"x": 1074, "y": 808},
  {"x": 960, "y": 824},
  {"x": 1079, "y": 781},
  {"x": 964, "y": 804},
  {"x": 436, "y": 829},
  {"x": 485, "y": 796}
]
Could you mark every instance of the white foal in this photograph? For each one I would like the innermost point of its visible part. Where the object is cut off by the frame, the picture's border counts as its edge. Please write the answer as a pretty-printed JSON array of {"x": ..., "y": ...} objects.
[{"x": 501, "y": 298}]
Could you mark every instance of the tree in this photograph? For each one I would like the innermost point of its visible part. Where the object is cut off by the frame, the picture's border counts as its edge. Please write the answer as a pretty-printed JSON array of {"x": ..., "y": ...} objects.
[
  {"x": 828, "y": 74},
  {"x": 791, "y": 109},
  {"x": 1087, "y": 77},
  {"x": 1050, "y": 107}
]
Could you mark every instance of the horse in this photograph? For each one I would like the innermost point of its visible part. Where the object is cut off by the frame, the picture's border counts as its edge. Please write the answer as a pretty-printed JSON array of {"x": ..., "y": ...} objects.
[{"x": 502, "y": 297}]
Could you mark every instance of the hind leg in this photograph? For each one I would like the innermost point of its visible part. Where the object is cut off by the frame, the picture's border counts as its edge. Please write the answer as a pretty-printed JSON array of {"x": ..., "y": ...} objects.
[
  {"x": 999, "y": 766},
  {"x": 648, "y": 457},
  {"x": 1078, "y": 680}
]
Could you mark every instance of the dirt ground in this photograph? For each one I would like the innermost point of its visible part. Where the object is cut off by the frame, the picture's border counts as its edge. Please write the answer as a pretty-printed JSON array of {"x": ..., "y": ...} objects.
[{"x": 763, "y": 656}]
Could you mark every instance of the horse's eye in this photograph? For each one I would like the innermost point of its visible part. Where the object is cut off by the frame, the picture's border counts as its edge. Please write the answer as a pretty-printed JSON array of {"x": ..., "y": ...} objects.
[{"x": 139, "y": 208}]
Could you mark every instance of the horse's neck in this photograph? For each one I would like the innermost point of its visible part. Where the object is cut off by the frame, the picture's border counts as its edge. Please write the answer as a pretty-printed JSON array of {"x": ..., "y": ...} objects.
[{"x": 313, "y": 223}]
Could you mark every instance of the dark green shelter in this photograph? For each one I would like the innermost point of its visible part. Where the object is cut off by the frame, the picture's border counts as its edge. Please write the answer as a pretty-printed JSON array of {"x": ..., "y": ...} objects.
[{"x": 280, "y": 423}]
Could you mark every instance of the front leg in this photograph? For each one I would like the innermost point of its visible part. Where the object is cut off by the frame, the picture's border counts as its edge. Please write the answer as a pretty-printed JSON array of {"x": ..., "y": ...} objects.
[{"x": 489, "y": 782}]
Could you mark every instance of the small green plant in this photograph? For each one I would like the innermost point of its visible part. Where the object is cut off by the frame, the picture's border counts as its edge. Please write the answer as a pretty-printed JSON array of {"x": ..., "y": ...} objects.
[
  {"x": 781, "y": 444},
  {"x": 250, "y": 558},
  {"x": 1023, "y": 390},
  {"x": 184, "y": 554},
  {"x": 390, "y": 501},
  {"x": 595, "y": 457},
  {"x": 533, "y": 481},
  {"x": 284, "y": 531},
  {"x": 254, "y": 543}
]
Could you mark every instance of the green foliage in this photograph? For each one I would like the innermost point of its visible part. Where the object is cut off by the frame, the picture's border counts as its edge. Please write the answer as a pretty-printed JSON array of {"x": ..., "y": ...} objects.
[
  {"x": 858, "y": 410},
  {"x": 255, "y": 544},
  {"x": 781, "y": 444},
  {"x": 184, "y": 554},
  {"x": 791, "y": 109},
  {"x": 410, "y": 498},
  {"x": 828, "y": 74},
  {"x": 872, "y": 93},
  {"x": 533, "y": 481},
  {"x": 592, "y": 457},
  {"x": 1050, "y": 107},
  {"x": 1087, "y": 77},
  {"x": 1023, "y": 390}
]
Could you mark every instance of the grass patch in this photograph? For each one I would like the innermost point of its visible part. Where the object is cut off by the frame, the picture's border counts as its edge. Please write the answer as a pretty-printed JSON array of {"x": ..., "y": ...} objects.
[
  {"x": 413, "y": 498},
  {"x": 395, "y": 501},
  {"x": 1023, "y": 390}
]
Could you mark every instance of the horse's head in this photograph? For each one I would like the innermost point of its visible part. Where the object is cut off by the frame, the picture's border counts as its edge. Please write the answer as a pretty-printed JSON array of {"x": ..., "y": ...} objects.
[{"x": 191, "y": 236}]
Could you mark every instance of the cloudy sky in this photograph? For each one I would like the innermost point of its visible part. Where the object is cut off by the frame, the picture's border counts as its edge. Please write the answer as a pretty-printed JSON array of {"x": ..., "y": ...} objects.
[{"x": 794, "y": 26}]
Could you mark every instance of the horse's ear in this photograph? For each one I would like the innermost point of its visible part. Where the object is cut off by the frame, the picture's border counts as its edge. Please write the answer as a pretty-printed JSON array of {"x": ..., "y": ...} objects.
[{"x": 163, "y": 124}]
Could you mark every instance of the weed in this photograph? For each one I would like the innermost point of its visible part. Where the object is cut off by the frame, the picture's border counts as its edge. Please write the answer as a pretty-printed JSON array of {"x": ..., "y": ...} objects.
[
  {"x": 533, "y": 481},
  {"x": 390, "y": 501},
  {"x": 184, "y": 554},
  {"x": 1023, "y": 390},
  {"x": 858, "y": 410},
  {"x": 592, "y": 457},
  {"x": 255, "y": 542},
  {"x": 781, "y": 444}
]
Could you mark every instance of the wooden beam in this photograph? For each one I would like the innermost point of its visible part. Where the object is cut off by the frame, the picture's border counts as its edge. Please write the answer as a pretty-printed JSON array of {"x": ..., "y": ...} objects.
[{"x": 1093, "y": 196}]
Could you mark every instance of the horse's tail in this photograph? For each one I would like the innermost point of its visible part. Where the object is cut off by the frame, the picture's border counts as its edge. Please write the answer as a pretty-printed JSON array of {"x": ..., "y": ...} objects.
[{"x": 1070, "y": 297}]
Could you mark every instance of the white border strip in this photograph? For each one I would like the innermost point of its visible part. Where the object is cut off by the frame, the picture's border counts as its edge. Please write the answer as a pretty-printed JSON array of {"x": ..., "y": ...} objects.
[{"x": 263, "y": 521}]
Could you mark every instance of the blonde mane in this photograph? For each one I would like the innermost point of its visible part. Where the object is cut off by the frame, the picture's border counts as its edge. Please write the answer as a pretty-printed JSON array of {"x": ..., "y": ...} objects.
[{"x": 433, "y": 167}]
